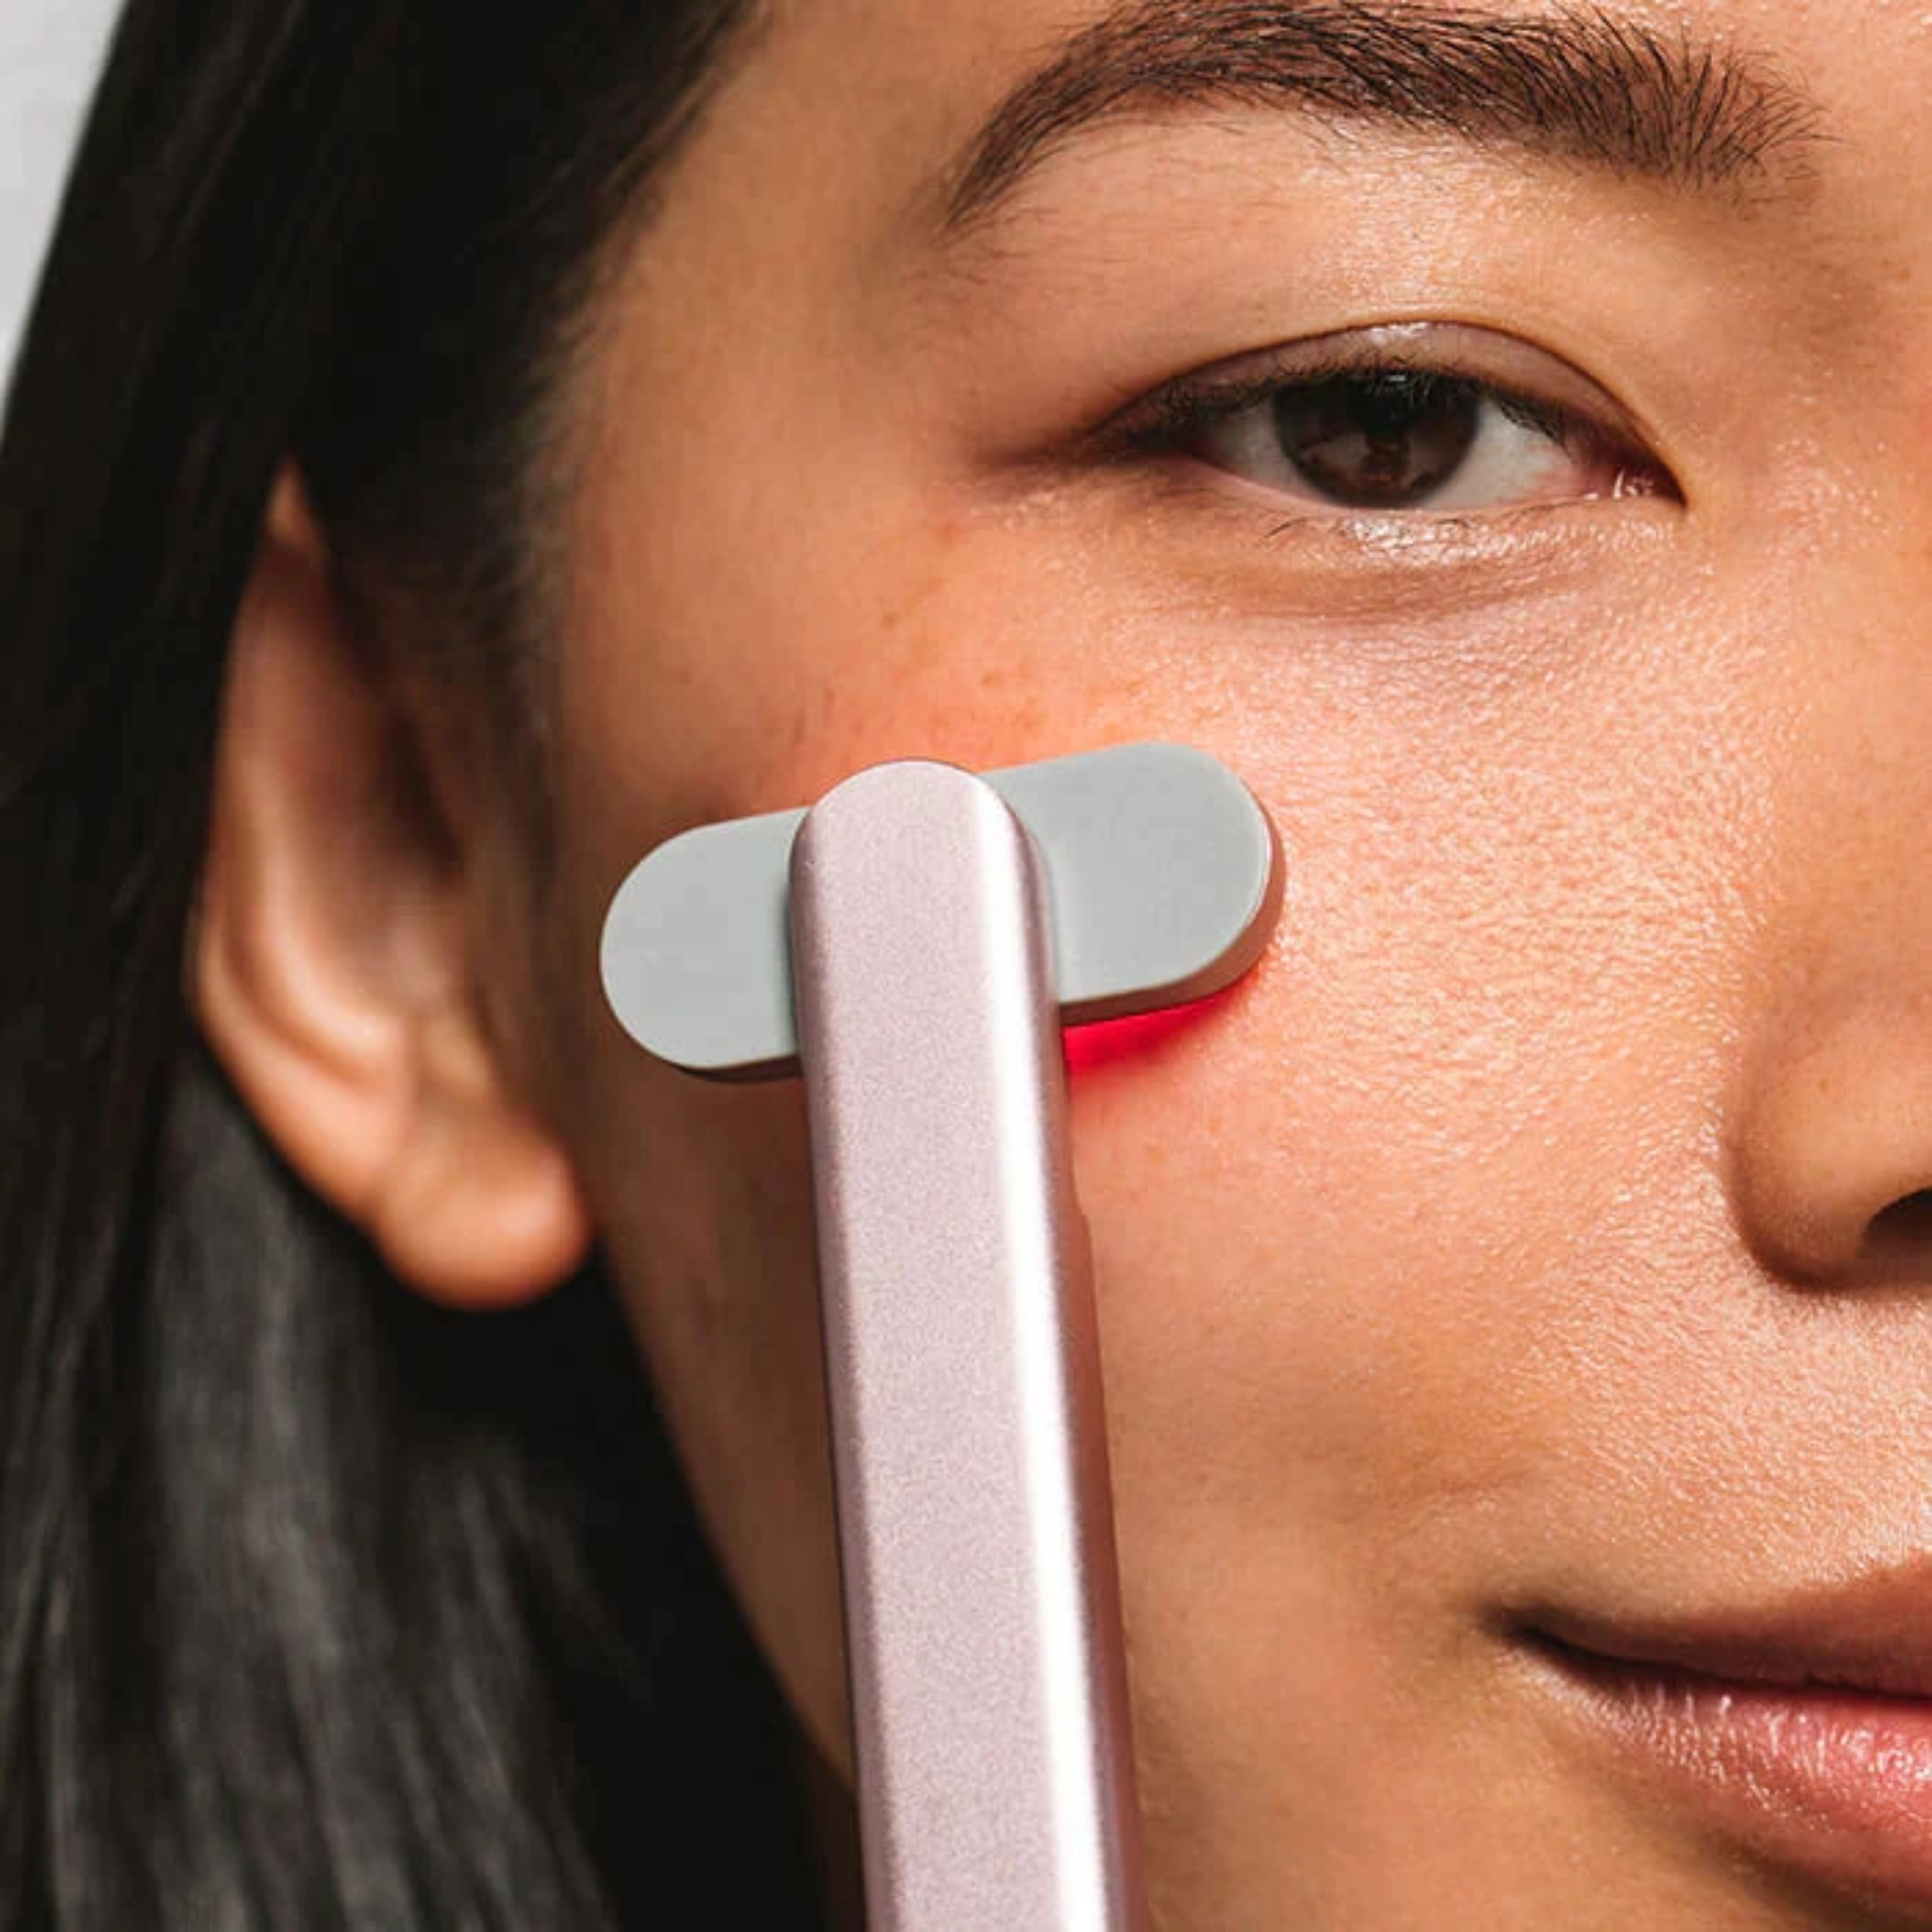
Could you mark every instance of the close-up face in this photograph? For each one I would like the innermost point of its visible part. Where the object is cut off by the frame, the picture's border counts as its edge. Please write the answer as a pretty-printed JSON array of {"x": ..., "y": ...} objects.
[{"x": 1503, "y": 438}]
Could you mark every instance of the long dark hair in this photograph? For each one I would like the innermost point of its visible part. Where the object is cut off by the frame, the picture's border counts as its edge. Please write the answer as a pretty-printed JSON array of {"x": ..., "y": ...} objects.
[{"x": 319, "y": 1605}]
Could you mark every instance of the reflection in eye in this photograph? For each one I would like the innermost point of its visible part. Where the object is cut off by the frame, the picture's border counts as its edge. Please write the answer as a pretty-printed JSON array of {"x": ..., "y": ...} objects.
[
  {"x": 1392, "y": 439},
  {"x": 1380, "y": 433}
]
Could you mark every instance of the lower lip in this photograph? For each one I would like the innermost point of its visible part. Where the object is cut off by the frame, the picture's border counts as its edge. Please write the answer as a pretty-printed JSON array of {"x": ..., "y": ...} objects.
[{"x": 1832, "y": 1783}]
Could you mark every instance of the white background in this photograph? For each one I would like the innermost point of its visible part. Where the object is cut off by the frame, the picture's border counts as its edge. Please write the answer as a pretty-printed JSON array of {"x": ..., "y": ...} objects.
[{"x": 49, "y": 52}]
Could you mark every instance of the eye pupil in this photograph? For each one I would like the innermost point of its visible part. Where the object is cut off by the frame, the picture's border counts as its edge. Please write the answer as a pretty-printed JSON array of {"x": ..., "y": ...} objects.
[{"x": 1381, "y": 440}]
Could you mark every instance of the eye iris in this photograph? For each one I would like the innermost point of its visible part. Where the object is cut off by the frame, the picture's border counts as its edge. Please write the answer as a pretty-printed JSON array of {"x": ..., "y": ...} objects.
[{"x": 1380, "y": 440}]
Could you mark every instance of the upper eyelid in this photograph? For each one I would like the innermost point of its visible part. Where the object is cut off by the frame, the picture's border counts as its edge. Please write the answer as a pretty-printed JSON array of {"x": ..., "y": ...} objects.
[
  {"x": 1191, "y": 403},
  {"x": 1506, "y": 364}
]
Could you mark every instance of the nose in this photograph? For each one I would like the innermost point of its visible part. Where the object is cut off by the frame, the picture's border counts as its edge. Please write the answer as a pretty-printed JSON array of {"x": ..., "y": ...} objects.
[
  {"x": 1832, "y": 1142},
  {"x": 1835, "y": 1154}
]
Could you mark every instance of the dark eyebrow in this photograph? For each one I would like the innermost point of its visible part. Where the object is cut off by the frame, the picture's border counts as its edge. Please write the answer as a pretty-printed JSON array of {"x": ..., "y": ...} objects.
[{"x": 1574, "y": 84}]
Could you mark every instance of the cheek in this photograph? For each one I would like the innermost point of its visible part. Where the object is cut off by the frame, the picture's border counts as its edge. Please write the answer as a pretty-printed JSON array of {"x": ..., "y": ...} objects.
[
  {"x": 1320, "y": 1206},
  {"x": 702, "y": 1196},
  {"x": 1359, "y": 1226}
]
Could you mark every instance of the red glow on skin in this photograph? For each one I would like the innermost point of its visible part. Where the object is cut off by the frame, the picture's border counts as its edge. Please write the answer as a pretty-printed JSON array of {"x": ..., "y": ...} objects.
[{"x": 1106, "y": 1042}]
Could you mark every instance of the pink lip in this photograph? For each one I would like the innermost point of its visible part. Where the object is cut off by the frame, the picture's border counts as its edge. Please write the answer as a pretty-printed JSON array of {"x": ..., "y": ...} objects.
[{"x": 1801, "y": 1731}]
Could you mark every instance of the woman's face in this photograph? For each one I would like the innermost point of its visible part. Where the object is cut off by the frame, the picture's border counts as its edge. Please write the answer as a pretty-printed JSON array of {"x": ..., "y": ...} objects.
[{"x": 1538, "y": 1244}]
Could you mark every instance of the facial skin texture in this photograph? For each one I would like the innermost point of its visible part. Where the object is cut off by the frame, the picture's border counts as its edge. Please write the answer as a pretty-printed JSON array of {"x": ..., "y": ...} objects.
[{"x": 1522, "y": 1233}]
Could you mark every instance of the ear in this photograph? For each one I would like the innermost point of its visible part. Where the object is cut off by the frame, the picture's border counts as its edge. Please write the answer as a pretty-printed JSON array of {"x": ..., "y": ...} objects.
[{"x": 334, "y": 970}]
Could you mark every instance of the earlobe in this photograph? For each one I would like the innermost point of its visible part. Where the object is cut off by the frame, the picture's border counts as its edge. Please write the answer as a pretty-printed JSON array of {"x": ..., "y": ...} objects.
[
  {"x": 479, "y": 1206},
  {"x": 333, "y": 970}
]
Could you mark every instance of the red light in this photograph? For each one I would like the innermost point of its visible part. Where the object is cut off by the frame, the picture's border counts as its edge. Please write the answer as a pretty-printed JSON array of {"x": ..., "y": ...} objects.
[{"x": 1107, "y": 1042}]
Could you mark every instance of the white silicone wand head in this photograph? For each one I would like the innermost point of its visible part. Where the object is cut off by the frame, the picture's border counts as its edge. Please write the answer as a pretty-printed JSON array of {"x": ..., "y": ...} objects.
[{"x": 939, "y": 928}]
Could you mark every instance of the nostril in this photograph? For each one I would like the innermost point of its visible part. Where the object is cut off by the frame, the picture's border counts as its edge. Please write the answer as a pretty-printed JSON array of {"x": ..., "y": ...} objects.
[{"x": 1904, "y": 1230}]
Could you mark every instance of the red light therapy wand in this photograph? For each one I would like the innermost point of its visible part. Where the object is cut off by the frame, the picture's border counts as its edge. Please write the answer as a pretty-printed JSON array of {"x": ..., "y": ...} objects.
[{"x": 913, "y": 944}]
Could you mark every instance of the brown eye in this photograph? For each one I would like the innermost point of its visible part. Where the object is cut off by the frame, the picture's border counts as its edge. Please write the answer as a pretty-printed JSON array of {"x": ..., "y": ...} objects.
[
  {"x": 1382, "y": 440},
  {"x": 1405, "y": 418}
]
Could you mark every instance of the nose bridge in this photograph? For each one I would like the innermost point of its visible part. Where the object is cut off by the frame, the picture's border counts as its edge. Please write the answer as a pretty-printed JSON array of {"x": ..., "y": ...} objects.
[
  {"x": 1832, "y": 1137},
  {"x": 1857, "y": 799}
]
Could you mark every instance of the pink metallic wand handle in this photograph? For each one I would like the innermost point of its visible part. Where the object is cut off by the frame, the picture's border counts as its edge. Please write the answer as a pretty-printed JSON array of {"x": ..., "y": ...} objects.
[{"x": 982, "y": 1610}]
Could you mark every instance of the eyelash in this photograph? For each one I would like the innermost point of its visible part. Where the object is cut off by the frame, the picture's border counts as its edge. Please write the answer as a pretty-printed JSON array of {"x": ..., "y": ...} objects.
[
  {"x": 1185, "y": 408},
  {"x": 1181, "y": 411}
]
